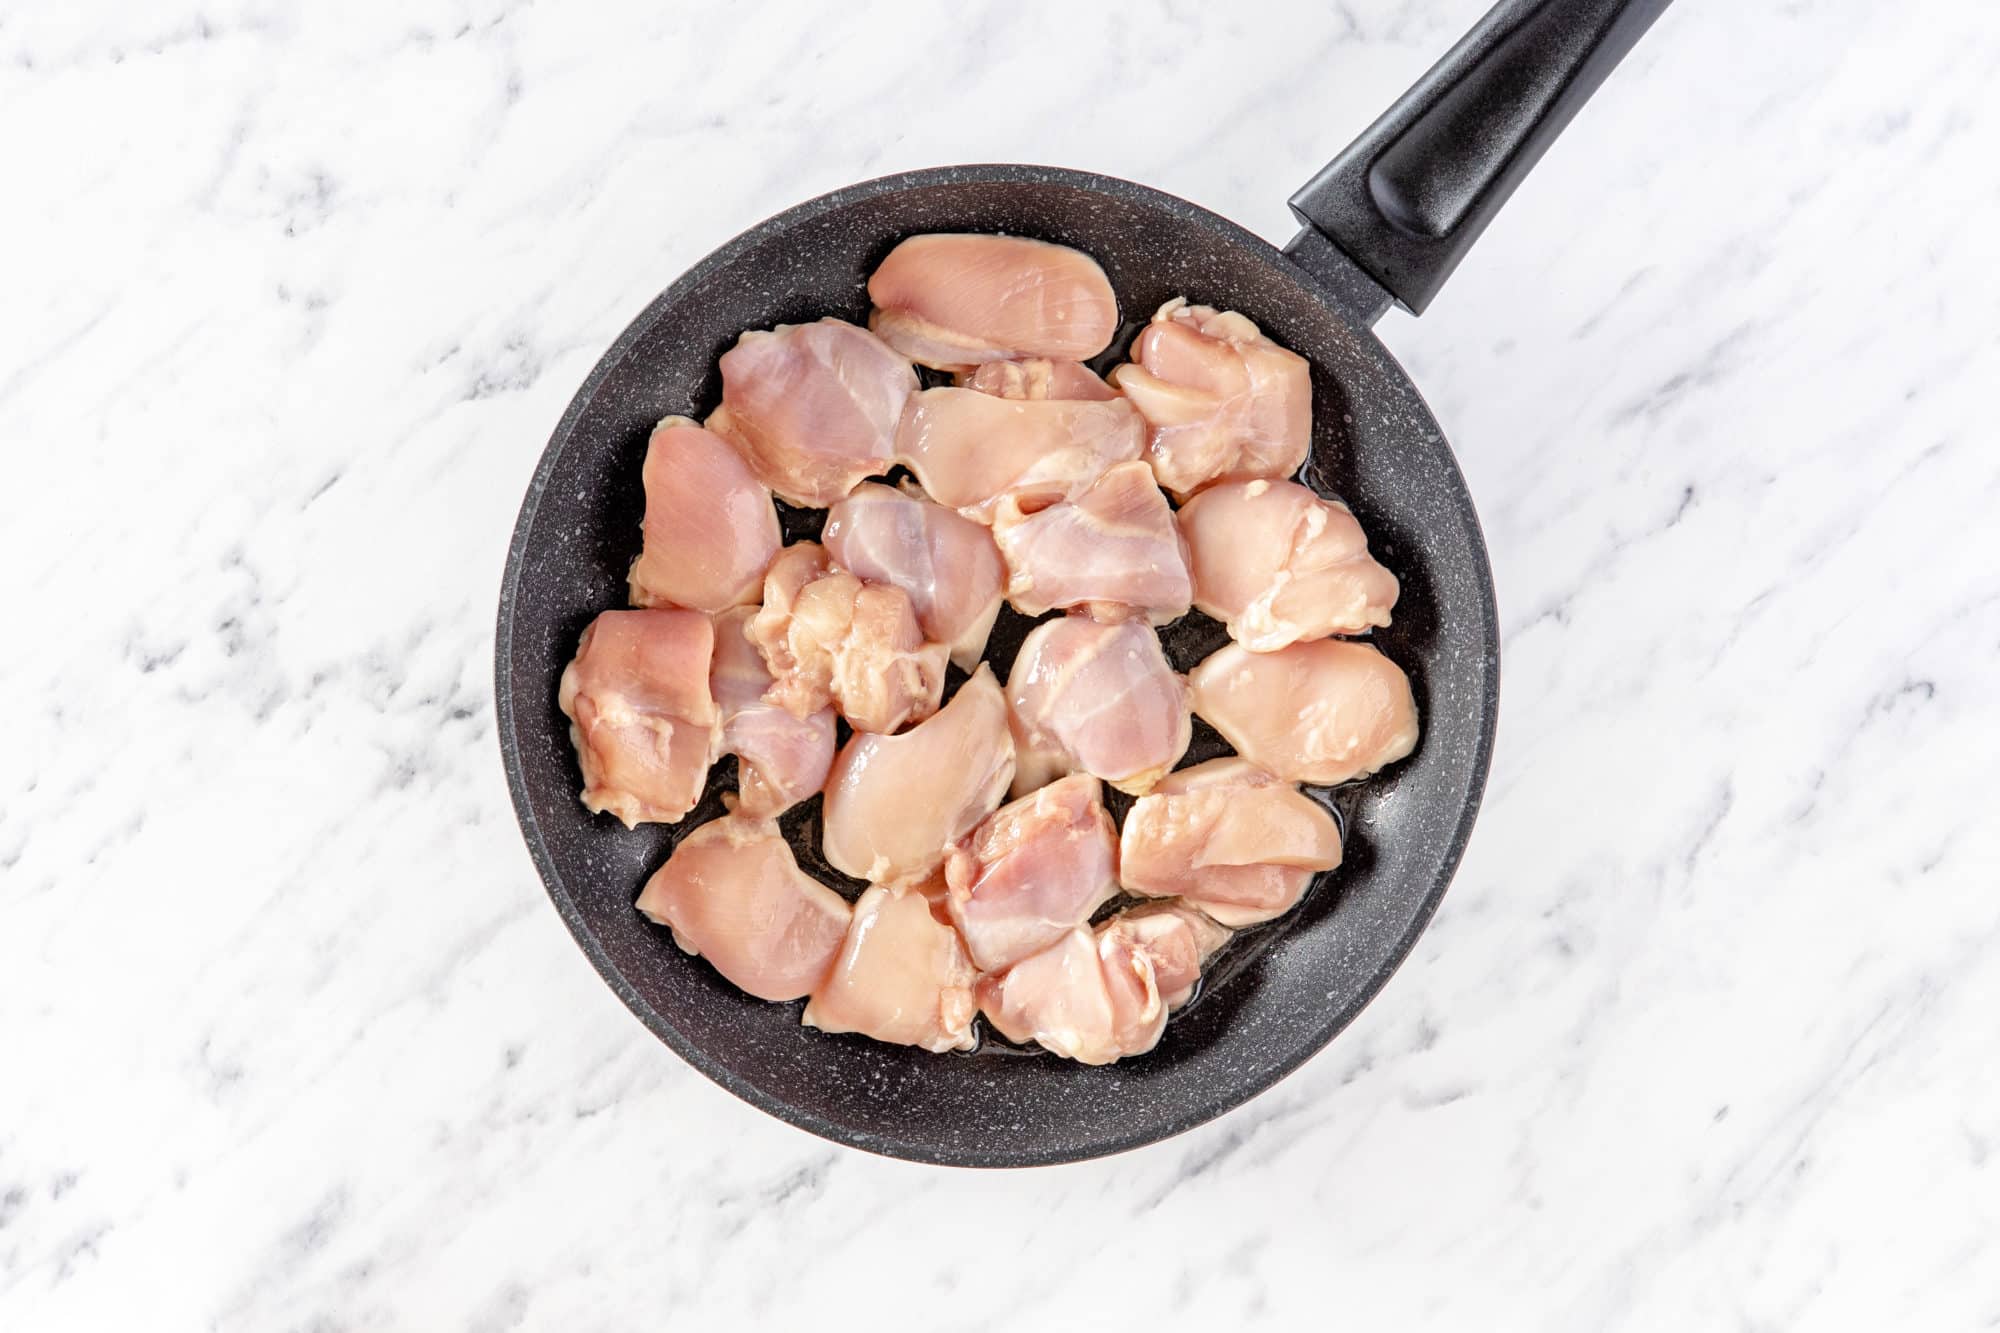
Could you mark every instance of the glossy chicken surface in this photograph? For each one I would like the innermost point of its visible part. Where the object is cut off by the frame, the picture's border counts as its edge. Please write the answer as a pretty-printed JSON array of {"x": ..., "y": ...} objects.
[
  {"x": 780, "y": 759},
  {"x": 732, "y": 892},
  {"x": 970, "y": 448},
  {"x": 946, "y": 564},
  {"x": 1090, "y": 697},
  {"x": 829, "y": 638},
  {"x": 1039, "y": 378},
  {"x": 1229, "y": 838},
  {"x": 1096, "y": 997},
  {"x": 952, "y": 300},
  {"x": 1223, "y": 401},
  {"x": 710, "y": 528},
  {"x": 813, "y": 407},
  {"x": 1321, "y": 712},
  {"x": 1279, "y": 565},
  {"x": 1113, "y": 548},
  {"x": 641, "y": 717},
  {"x": 1033, "y": 870},
  {"x": 901, "y": 976},
  {"x": 895, "y": 803}
]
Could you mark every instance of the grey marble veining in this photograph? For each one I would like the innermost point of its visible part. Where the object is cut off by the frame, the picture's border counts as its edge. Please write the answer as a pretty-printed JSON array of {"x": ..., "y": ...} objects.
[{"x": 289, "y": 1035}]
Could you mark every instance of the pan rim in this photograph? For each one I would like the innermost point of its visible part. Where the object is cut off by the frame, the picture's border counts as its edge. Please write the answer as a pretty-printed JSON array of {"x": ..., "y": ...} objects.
[{"x": 1013, "y": 1153}]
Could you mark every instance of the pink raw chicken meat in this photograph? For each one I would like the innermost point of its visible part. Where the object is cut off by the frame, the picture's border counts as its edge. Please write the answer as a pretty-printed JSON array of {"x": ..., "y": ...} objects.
[
  {"x": 1098, "y": 997},
  {"x": 643, "y": 722},
  {"x": 813, "y": 407},
  {"x": 1223, "y": 400},
  {"x": 1038, "y": 379},
  {"x": 710, "y": 528},
  {"x": 1096, "y": 698},
  {"x": 1033, "y": 870},
  {"x": 1321, "y": 712},
  {"x": 827, "y": 637},
  {"x": 950, "y": 300},
  {"x": 1112, "y": 548},
  {"x": 732, "y": 893},
  {"x": 970, "y": 448},
  {"x": 1278, "y": 565},
  {"x": 781, "y": 759},
  {"x": 945, "y": 563},
  {"x": 1229, "y": 838},
  {"x": 894, "y": 803},
  {"x": 902, "y": 976}
]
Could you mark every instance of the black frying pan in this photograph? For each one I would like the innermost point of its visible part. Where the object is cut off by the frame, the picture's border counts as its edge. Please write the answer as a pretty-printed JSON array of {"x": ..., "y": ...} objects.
[{"x": 1387, "y": 220}]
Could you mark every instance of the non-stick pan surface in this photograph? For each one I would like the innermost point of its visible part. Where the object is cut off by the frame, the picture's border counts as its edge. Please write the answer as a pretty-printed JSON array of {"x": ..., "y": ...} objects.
[{"x": 1280, "y": 993}]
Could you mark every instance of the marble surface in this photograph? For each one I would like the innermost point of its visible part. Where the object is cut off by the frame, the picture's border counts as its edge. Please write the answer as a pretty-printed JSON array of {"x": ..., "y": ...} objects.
[{"x": 290, "y": 1038}]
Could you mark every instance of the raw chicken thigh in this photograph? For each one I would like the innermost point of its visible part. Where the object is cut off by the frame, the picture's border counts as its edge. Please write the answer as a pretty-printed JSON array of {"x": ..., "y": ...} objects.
[
  {"x": 1229, "y": 838},
  {"x": 1223, "y": 400},
  {"x": 894, "y": 803},
  {"x": 1113, "y": 548},
  {"x": 1279, "y": 565},
  {"x": 1098, "y": 997},
  {"x": 781, "y": 759},
  {"x": 1039, "y": 378},
  {"x": 952, "y": 300},
  {"x": 945, "y": 563},
  {"x": 1032, "y": 871},
  {"x": 1096, "y": 698},
  {"x": 969, "y": 448},
  {"x": 732, "y": 893},
  {"x": 641, "y": 717},
  {"x": 813, "y": 407},
  {"x": 828, "y": 637},
  {"x": 901, "y": 976},
  {"x": 1321, "y": 712},
  {"x": 710, "y": 529}
]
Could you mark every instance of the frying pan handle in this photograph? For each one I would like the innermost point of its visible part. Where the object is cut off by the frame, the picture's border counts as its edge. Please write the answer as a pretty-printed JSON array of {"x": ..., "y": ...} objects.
[{"x": 1407, "y": 199}]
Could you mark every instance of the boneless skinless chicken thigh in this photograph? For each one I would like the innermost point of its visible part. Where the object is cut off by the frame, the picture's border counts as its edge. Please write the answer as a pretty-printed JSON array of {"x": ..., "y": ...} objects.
[
  {"x": 1223, "y": 400},
  {"x": 970, "y": 448},
  {"x": 953, "y": 300},
  {"x": 1277, "y": 564},
  {"x": 641, "y": 717},
  {"x": 1320, "y": 712},
  {"x": 1113, "y": 547},
  {"x": 732, "y": 892},
  {"x": 781, "y": 759},
  {"x": 710, "y": 528},
  {"x": 901, "y": 975},
  {"x": 945, "y": 563},
  {"x": 828, "y": 637},
  {"x": 1090, "y": 697},
  {"x": 1038, "y": 377},
  {"x": 813, "y": 407},
  {"x": 1031, "y": 871}
]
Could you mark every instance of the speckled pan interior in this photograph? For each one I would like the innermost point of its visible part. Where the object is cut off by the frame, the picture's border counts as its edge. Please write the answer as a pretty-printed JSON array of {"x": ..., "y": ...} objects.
[{"x": 1278, "y": 994}]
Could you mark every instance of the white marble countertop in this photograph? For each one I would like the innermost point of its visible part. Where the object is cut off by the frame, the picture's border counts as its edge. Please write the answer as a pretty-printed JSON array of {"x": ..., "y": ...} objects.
[{"x": 1704, "y": 1035}]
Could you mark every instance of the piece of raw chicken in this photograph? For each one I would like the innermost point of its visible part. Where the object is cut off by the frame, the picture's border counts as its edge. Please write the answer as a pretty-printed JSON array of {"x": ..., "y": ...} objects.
[
  {"x": 1090, "y": 697},
  {"x": 813, "y": 407},
  {"x": 970, "y": 448},
  {"x": 1038, "y": 378},
  {"x": 780, "y": 759},
  {"x": 901, "y": 976},
  {"x": 1096, "y": 997},
  {"x": 1320, "y": 712},
  {"x": 1278, "y": 565},
  {"x": 951, "y": 300},
  {"x": 1033, "y": 870},
  {"x": 1112, "y": 548},
  {"x": 732, "y": 892},
  {"x": 710, "y": 528},
  {"x": 827, "y": 637},
  {"x": 894, "y": 803},
  {"x": 945, "y": 563},
  {"x": 1229, "y": 838},
  {"x": 641, "y": 717},
  {"x": 1223, "y": 400}
]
